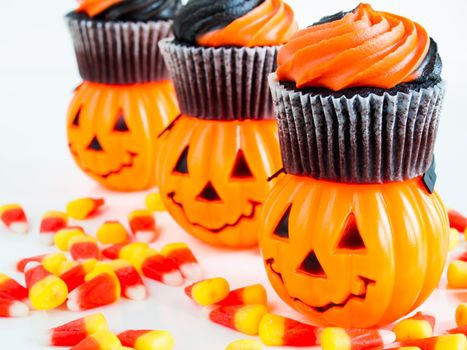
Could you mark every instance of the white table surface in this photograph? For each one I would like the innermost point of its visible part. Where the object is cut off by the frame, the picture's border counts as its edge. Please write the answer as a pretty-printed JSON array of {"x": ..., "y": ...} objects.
[{"x": 37, "y": 75}]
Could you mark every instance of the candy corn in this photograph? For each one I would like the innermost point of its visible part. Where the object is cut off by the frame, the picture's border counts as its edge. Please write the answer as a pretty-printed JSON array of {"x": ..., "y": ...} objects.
[
  {"x": 147, "y": 339},
  {"x": 254, "y": 294},
  {"x": 443, "y": 342},
  {"x": 51, "y": 262},
  {"x": 418, "y": 326},
  {"x": 461, "y": 314},
  {"x": 245, "y": 344},
  {"x": 101, "y": 288},
  {"x": 458, "y": 330},
  {"x": 275, "y": 330},
  {"x": 134, "y": 253},
  {"x": 162, "y": 269},
  {"x": 112, "y": 232},
  {"x": 62, "y": 237},
  {"x": 46, "y": 291},
  {"x": 103, "y": 340},
  {"x": 457, "y": 220},
  {"x": 462, "y": 257},
  {"x": 10, "y": 289},
  {"x": 73, "y": 273},
  {"x": 71, "y": 333},
  {"x": 457, "y": 274},
  {"x": 14, "y": 218},
  {"x": 348, "y": 339},
  {"x": 242, "y": 318},
  {"x": 20, "y": 265},
  {"x": 52, "y": 222},
  {"x": 143, "y": 226},
  {"x": 208, "y": 292},
  {"x": 13, "y": 308},
  {"x": 184, "y": 258},
  {"x": 454, "y": 238},
  {"x": 154, "y": 202},
  {"x": 130, "y": 280},
  {"x": 83, "y": 247},
  {"x": 83, "y": 208}
]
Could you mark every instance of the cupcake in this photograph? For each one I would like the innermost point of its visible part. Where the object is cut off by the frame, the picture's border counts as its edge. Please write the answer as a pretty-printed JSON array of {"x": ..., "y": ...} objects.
[
  {"x": 215, "y": 159},
  {"x": 126, "y": 99},
  {"x": 353, "y": 235}
]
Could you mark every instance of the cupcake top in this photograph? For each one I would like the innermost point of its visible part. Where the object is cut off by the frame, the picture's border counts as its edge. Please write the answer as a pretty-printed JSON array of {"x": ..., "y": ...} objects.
[
  {"x": 361, "y": 48},
  {"x": 245, "y": 23},
  {"x": 129, "y": 10}
]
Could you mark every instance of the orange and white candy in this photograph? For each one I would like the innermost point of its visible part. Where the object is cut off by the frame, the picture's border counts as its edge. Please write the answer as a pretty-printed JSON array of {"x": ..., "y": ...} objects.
[
  {"x": 143, "y": 226},
  {"x": 10, "y": 289},
  {"x": 112, "y": 232},
  {"x": 51, "y": 262},
  {"x": 83, "y": 247},
  {"x": 73, "y": 332},
  {"x": 83, "y": 208},
  {"x": 254, "y": 294},
  {"x": 334, "y": 338},
  {"x": 185, "y": 260},
  {"x": 74, "y": 273},
  {"x": 103, "y": 340},
  {"x": 418, "y": 326},
  {"x": 51, "y": 223},
  {"x": 160, "y": 268},
  {"x": 13, "y": 308},
  {"x": 442, "y": 342},
  {"x": 14, "y": 218},
  {"x": 242, "y": 318},
  {"x": 147, "y": 339},
  {"x": 46, "y": 291},
  {"x": 131, "y": 283},
  {"x": 208, "y": 292},
  {"x": 62, "y": 237}
]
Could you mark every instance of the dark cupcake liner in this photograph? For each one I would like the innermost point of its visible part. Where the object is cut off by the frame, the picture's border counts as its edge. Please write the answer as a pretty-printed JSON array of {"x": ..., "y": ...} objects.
[
  {"x": 225, "y": 83},
  {"x": 372, "y": 138},
  {"x": 119, "y": 52}
]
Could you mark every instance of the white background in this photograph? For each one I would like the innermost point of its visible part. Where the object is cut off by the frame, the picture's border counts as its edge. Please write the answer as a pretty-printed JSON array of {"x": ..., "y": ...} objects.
[{"x": 38, "y": 73}]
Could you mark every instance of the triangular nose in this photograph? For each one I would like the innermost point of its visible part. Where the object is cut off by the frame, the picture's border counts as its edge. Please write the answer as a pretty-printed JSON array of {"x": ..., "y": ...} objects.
[
  {"x": 209, "y": 194},
  {"x": 95, "y": 145}
]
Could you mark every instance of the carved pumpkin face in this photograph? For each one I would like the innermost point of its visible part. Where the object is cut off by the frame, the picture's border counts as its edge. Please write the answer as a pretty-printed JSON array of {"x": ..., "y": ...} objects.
[
  {"x": 213, "y": 176},
  {"x": 353, "y": 255},
  {"x": 112, "y": 131}
]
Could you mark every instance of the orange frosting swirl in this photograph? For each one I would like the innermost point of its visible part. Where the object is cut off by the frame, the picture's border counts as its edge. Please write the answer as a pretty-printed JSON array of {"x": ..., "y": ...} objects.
[
  {"x": 365, "y": 48},
  {"x": 93, "y": 7},
  {"x": 271, "y": 23}
]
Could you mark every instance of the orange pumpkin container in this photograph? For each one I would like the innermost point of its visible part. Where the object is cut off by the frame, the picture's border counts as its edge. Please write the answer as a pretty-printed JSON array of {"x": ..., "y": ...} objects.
[
  {"x": 214, "y": 161},
  {"x": 353, "y": 235},
  {"x": 126, "y": 99}
]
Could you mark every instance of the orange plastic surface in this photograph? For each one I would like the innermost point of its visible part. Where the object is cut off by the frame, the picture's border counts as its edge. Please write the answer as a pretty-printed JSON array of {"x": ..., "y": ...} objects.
[
  {"x": 365, "y": 48},
  {"x": 112, "y": 131},
  {"x": 271, "y": 23},
  {"x": 353, "y": 255},
  {"x": 204, "y": 182},
  {"x": 94, "y": 7}
]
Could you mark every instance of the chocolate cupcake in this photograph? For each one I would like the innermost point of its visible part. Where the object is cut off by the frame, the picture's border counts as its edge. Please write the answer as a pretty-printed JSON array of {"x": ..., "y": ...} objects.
[
  {"x": 358, "y": 97},
  {"x": 224, "y": 51},
  {"x": 116, "y": 41}
]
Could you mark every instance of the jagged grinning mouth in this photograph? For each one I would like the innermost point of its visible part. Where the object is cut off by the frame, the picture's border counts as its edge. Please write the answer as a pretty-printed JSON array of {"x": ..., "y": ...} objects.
[
  {"x": 252, "y": 214},
  {"x": 321, "y": 309},
  {"x": 124, "y": 166}
]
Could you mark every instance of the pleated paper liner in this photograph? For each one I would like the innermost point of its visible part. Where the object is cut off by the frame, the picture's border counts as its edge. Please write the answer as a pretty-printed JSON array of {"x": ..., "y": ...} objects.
[
  {"x": 367, "y": 138},
  {"x": 226, "y": 83},
  {"x": 119, "y": 52}
]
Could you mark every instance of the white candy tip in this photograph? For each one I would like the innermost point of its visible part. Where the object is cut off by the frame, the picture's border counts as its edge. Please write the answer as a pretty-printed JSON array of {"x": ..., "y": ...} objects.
[
  {"x": 18, "y": 309},
  {"x": 192, "y": 271},
  {"x": 173, "y": 279},
  {"x": 46, "y": 238},
  {"x": 30, "y": 265},
  {"x": 45, "y": 338},
  {"x": 136, "y": 293},
  {"x": 19, "y": 227},
  {"x": 145, "y": 236},
  {"x": 387, "y": 337},
  {"x": 73, "y": 304}
]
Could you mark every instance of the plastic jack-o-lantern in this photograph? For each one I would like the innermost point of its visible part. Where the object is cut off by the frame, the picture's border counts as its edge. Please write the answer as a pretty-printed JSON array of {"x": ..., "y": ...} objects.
[
  {"x": 125, "y": 102},
  {"x": 213, "y": 176},
  {"x": 353, "y": 255},
  {"x": 112, "y": 131}
]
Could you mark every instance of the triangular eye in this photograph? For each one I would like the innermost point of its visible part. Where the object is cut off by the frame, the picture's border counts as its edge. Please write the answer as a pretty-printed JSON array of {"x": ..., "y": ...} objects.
[
  {"x": 182, "y": 164},
  {"x": 282, "y": 228},
  {"x": 312, "y": 266},
  {"x": 241, "y": 170},
  {"x": 120, "y": 125},
  {"x": 77, "y": 117},
  {"x": 351, "y": 237}
]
